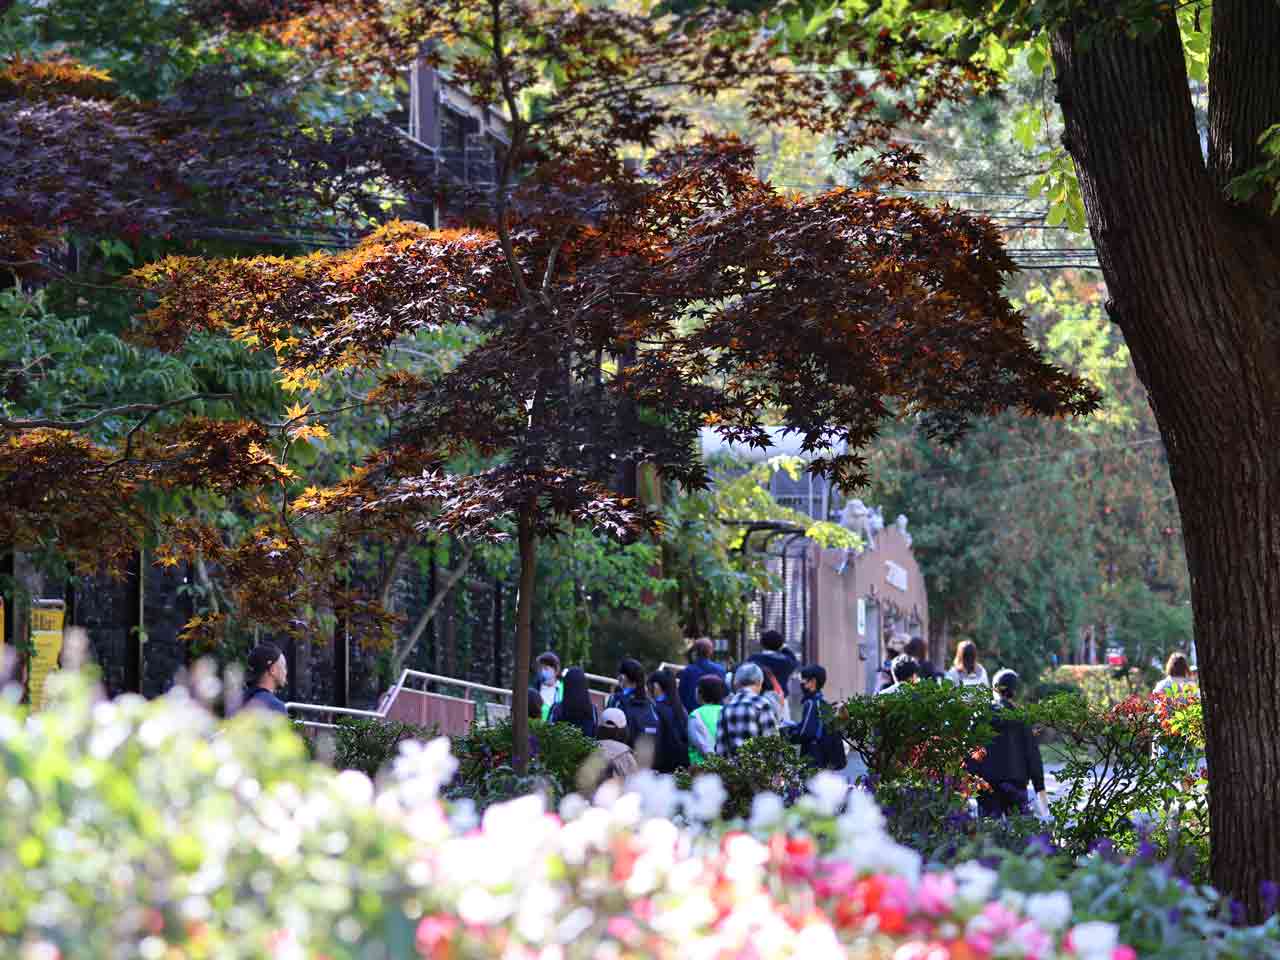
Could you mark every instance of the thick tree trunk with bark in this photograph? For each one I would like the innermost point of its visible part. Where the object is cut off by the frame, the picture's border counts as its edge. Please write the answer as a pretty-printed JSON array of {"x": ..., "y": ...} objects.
[
  {"x": 528, "y": 545},
  {"x": 1195, "y": 286}
]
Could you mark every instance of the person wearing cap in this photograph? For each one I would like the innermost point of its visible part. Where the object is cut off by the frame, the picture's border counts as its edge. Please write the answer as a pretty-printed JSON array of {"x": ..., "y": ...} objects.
[
  {"x": 611, "y": 732},
  {"x": 1012, "y": 758},
  {"x": 700, "y": 665},
  {"x": 268, "y": 673}
]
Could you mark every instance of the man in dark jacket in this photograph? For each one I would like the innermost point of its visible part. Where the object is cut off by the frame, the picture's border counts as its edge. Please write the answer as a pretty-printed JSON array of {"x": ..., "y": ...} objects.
[
  {"x": 775, "y": 657},
  {"x": 807, "y": 734},
  {"x": 1012, "y": 758},
  {"x": 700, "y": 665}
]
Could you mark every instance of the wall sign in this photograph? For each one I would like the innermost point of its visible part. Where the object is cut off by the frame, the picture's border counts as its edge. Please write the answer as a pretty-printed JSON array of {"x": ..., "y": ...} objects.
[
  {"x": 895, "y": 575},
  {"x": 862, "y": 616},
  {"x": 46, "y": 638}
]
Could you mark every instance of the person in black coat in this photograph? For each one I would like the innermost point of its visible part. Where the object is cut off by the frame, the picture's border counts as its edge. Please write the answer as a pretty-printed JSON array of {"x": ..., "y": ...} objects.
[
  {"x": 672, "y": 749},
  {"x": 1012, "y": 758},
  {"x": 575, "y": 705},
  {"x": 700, "y": 665},
  {"x": 777, "y": 657}
]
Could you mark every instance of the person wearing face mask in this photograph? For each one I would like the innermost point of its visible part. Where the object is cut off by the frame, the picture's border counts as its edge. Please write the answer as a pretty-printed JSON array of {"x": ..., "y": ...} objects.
[{"x": 550, "y": 686}]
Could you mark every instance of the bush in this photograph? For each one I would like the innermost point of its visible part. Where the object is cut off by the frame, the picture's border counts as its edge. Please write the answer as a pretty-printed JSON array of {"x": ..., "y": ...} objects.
[
  {"x": 1127, "y": 767},
  {"x": 761, "y": 764},
  {"x": 922, "y": 730},
  {"x": 558, "y": 752},
  {"x": 1103, "y": 687},
  {"x": 650, "y": 640},
  {"x": 367, "y": 745}
]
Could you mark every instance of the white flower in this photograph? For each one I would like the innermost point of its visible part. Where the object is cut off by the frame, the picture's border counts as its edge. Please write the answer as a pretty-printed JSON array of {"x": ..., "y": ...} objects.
[
  {"x": 766, "y": 810},
  {"x": 423, "y": 769},
  {"x": 818, "y": 941},
  {"x": 1049, "y": 911},
  {"x": 573, "y": 806},
  {"x": 1095, "y": 941},
  {"x": 462, "y": 815},
  {"x": 658, "y": 793},
  {"x": 828, "y": 791},
  {"x": 861, "y": 815},
  {"x": 354, "y": 788},
  {"x": 706, "y": 798},
  {"x": 974, "y": 883}
]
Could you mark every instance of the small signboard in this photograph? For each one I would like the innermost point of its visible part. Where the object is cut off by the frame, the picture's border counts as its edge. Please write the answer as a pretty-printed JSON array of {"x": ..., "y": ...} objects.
[
  {"x": 46, "y": 641},
  {"x": 895, "y": 575},
  {"x": 862, "y": 616}
]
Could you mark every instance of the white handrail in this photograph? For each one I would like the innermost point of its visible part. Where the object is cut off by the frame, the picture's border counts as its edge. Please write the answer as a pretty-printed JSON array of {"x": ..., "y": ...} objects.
[{"x": 399, "y": 685}]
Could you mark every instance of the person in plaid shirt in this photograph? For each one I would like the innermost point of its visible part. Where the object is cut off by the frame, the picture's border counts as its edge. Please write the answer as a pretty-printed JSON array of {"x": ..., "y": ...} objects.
[{"x": 746, "y": 714}]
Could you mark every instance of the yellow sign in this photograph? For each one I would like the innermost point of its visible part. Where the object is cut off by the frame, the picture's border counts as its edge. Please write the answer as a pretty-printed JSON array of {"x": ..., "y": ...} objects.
[{"x": 46, "y": 639}]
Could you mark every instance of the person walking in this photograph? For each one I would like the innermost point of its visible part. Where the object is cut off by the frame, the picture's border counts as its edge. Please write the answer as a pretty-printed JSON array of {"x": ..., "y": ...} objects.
[
  {"x": 705, "y": 719},
  {"x": 1177, "y": 678},
  {"x": 268, "y": 674},
  {"x": 633, "y": 700},
  {"x": 903, "y": 669},
  {"x": 925, "y": 670},
  {"x": 746, "y": 714},
  {"x": 808, "y": 733},
  {"x": 700, "y": 665},
  {"x": 615, "y": 750},
  {"x": 550, "y": 688},
  {"x": 1012, "y": 758},
  {"x": 776, "y": 657},
  {"x": 575, "y": 706},
  {"x": 966, "y": 671},
  {"x": 672, "y": 748}
]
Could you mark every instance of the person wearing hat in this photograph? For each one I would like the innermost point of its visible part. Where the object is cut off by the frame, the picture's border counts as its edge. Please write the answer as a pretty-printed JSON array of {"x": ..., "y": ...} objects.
[
  {"x": 268, "y": 673},
  {"x": 619, "y": 759},
  {"x": 700, "y": 665},
  {"x": 1012, "y": 758}
]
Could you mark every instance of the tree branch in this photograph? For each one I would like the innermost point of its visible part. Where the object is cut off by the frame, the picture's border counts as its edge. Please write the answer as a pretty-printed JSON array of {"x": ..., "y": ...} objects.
[
  {"x": 403, "y": 650},
  {"x": 129, "y": 408}
]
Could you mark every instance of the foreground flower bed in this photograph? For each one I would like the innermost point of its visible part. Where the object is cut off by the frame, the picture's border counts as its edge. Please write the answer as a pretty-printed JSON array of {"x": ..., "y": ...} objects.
[{"x": 135, "y": 829}]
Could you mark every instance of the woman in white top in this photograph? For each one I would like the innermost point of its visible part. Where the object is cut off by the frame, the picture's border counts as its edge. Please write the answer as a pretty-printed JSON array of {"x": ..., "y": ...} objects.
[
  {"x": 1177, "y": 677},
  {"x": 967, "y": 671}
]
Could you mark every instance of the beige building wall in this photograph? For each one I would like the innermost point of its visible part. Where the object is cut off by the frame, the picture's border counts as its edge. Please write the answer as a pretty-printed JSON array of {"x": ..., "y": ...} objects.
[{"x": 894, "y": 602}]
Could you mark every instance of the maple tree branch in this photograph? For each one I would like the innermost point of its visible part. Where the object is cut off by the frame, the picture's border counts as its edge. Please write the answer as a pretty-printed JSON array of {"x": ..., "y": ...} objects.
[
  {"x": 503, "y": 71},
  {"x": 393, "y": 568},
  {"x": 145, "y": 408},
  {"x": 402, "y": 652}
]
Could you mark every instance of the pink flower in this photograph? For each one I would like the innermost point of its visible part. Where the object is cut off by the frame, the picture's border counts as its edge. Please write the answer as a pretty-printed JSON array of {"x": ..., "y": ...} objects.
[
  {"x": 936, "y": 894},
  {"x": 1124, "y": 952},
  {"x": 434, "y": 932},
  {"x": 922, "y": 951},
  {"x": 896, "y": 894},
  {"x": 622, "y": 928}
]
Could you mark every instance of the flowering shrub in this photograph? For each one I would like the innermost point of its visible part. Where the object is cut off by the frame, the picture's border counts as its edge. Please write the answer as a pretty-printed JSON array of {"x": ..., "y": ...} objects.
[
  {"x": 763, "y": 764},
  {"x": 1126, "y": 769},
  {"x": 923, "y": 729},
  {"x": 137, "y": 829}
]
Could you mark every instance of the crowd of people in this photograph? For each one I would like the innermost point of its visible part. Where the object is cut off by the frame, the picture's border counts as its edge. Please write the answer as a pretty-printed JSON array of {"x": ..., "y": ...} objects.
[
  {"x": 668, "y": 720},
  {"x": 679, "y": 719}
]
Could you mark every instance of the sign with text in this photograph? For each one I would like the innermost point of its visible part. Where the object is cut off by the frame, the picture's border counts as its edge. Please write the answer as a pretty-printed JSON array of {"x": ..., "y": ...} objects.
[
  {"x": 46, "y": 641},
  {"x": 862, "y": 616}
]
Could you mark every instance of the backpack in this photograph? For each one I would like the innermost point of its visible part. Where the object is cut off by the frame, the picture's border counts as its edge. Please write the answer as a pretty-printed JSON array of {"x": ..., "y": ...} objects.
[
  {"x": 642, "y": 719},
  {"x": 832, "y": 754}
]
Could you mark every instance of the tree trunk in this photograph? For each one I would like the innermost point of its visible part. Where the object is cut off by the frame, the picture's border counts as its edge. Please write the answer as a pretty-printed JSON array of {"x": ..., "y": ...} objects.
[
  {"x": 524, "y": 640},
  {"x": 1193, "y": 282}
]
